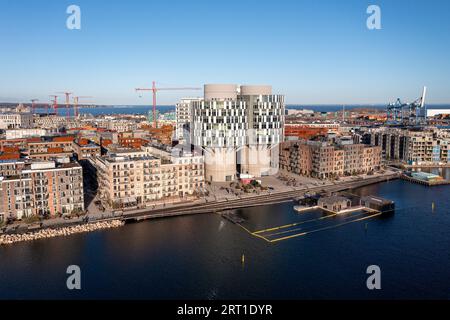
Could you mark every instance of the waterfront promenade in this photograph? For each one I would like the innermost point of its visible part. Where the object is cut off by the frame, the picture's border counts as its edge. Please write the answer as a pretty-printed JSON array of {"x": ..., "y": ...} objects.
[{"x": 201, "y": 206}]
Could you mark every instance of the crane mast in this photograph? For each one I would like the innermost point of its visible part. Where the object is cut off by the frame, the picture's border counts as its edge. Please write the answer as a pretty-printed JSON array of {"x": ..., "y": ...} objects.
[{"x": 154, "y": 90}]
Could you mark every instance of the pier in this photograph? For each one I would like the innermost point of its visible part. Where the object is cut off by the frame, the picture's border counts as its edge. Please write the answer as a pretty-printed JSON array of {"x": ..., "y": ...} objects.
[
  {"x": 428, "y": 183},
  {"x": 250, "y": 201}
]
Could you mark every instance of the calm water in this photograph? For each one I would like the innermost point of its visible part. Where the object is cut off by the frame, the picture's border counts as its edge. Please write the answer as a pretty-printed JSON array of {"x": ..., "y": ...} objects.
[
  {"x": 162, "y": 109},
  {"x": 199, "y": 257}
]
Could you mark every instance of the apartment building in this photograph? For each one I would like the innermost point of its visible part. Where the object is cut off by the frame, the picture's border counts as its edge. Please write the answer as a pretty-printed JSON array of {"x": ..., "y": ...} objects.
[
  {"x": 128, "y": 181},
  {"x": 325, "y": 160},
  {"x": 412, "y": 146},
  {"x": 16, "y": 120},
  {"x": 11, "y": 167},
  {"x": 117, "y": 125},
  {"x": 53, "y": 122},
  {"x": 239, "y": 129},
  {"x": 132, "y": 142},
  {"x": 48, "y": 148},
  {"x": 184, "y": 118},
  {"x": 25, "y": 133},
  {"x": 40, "y": 188},
  {"x": 85, "y": 149}
]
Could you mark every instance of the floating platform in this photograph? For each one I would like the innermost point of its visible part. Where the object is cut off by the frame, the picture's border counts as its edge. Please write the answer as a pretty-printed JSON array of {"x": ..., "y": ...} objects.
[{"x": 425, "y": 181}]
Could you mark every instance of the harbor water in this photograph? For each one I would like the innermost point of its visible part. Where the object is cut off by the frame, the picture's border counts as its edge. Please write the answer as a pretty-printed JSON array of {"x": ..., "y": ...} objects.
[{"x": 201, "y": 256}]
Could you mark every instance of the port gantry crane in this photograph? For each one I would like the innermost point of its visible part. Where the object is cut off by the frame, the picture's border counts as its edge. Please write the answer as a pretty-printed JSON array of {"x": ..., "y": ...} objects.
[
  {"x": 67, "y": 94},
  {"x": 75, "y": 104},
  {"x": 154, "y": 90},
  {"x": 395, "y": 110},
  {"x": 415, "y": 111}
]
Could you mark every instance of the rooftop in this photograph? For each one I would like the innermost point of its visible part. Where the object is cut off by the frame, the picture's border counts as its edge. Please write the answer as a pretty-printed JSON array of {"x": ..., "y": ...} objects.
[
  {"x": 118, "y": 159},
  {"x": 333, "y": 199}
]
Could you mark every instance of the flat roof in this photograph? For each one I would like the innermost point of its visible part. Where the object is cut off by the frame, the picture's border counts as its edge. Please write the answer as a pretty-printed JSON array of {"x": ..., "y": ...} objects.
[{"x": 118, "y": 159}]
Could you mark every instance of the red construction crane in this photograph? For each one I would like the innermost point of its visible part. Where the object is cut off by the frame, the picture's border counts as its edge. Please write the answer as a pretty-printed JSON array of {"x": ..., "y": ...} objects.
[
  {"x": 154, "y": 89},
  {"x": 75, "y": 103},
  {"x": 55, "y": 104},
  {"x": 33, "y": 106},
  {"x": 67, "y": 102}
]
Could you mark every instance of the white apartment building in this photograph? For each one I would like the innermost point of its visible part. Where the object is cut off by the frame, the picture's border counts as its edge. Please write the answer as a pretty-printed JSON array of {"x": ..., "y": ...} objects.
[
  {"x": 25, "y": 133},
  {"x": 184, "y": 118},
  {"x": 126, "y": 181},
  {"x": 16, "y": 120}
]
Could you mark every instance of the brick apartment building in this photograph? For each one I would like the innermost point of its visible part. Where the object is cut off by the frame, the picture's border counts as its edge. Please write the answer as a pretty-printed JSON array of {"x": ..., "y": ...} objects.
[
  {"x": 325, "y": 160},
  {"x": 40, "y": 188}
]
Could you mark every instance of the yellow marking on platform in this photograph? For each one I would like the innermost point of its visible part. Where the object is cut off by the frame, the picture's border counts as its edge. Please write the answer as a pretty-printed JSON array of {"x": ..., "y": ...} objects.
[
  {"x": 346, "y": 210},
  {"x": 299, "y": 223},
  {"x": 252, "y": 233},
  {"x": 324, "y": 228},
  {"x": 291, "y": 230}
]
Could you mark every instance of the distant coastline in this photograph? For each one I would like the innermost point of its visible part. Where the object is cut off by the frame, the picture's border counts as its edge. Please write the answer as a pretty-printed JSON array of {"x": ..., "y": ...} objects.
[{"x": 144, "y": 109}]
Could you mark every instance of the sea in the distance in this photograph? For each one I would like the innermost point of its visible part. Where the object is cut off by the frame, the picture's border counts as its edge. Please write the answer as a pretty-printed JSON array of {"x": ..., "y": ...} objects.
[
  {"x": 144, "y": 110},
  {"x": 200, "y": 256}
]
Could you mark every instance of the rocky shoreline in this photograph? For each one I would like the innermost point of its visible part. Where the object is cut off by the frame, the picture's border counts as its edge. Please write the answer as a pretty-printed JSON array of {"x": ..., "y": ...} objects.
[{"x": 52, "y": 233}]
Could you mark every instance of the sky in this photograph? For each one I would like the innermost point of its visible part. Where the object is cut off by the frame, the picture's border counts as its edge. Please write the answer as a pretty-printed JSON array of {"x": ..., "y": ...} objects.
[{"x": 313, "y": 52}]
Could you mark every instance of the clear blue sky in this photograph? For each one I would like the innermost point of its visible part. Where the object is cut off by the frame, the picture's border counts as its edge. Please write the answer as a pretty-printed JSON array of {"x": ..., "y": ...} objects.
[{"x": 314, "y": 52}]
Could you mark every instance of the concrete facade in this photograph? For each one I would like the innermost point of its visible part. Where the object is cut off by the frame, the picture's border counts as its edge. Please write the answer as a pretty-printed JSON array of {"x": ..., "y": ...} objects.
[{"x": 238, "y": 127}]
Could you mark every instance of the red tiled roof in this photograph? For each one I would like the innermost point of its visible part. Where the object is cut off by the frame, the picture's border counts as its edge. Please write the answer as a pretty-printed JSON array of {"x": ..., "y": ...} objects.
[
  {"x": 63, "y": 139},
  {"x": 10, "y": 156}
]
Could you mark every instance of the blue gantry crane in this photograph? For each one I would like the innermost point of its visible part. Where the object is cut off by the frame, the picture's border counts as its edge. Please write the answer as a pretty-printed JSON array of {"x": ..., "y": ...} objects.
[{"x": 414, "y": 112}]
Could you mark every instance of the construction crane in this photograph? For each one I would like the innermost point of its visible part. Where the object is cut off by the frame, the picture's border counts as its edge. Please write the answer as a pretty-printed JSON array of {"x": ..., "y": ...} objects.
[
  {"x": 154, "y": 90},
  {"x": 33, "y": 105},
  {"x": 75, "y": 103},
  {"x": 55, "y": 104},
  {"x": 67, "y": 94}
]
